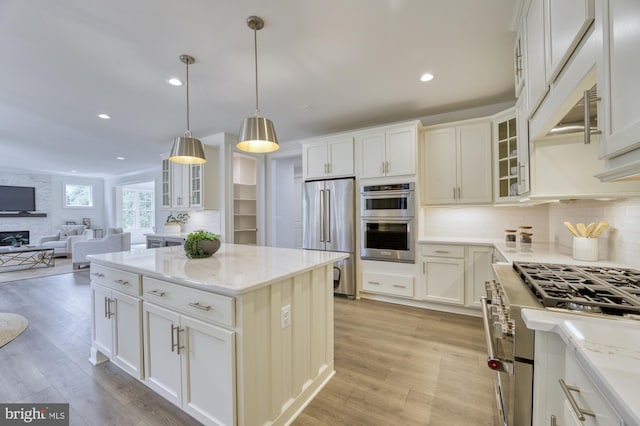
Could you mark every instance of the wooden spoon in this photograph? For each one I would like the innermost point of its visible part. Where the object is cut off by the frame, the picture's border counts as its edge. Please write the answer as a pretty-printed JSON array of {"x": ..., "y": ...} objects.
[
  {"x": 602, "y": 226},
  {"x": 582, "y": 229},
  {"x": 571, "y": 229},
  {"x": 590, "y": 228}
]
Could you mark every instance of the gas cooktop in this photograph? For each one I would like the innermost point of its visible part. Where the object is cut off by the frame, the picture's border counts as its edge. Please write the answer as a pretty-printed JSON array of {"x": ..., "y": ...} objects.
[{"x": 604, "y": 289}]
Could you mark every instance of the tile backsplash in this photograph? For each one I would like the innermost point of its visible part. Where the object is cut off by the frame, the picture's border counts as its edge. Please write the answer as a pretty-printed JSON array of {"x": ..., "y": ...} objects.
[{"x": 620, "y": 244}]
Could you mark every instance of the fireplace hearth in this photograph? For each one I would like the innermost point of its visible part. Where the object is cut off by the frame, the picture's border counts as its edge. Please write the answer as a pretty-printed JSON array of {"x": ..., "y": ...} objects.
[{"x": 14, "y": 238}]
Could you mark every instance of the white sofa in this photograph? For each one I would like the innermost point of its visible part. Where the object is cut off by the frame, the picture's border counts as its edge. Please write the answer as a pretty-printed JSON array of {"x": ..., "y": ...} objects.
[
  {"x": 114, "y": 241},
  {"x": 62, "y": 241}
]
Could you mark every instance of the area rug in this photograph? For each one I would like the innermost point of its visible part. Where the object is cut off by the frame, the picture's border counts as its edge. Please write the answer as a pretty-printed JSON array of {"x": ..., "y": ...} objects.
[
  {"x": 62, "y": 266},
  {"x": 11, "y": 326}
]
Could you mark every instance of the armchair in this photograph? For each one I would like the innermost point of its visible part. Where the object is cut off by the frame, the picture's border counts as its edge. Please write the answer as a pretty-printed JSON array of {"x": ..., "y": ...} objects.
[
  {"x": 115, "y": 241},
  {"x": 63, "y": 240}
]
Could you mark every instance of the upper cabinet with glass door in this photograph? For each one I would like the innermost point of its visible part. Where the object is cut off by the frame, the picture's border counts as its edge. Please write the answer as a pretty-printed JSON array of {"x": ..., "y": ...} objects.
[{"x": 192, "y": 186}]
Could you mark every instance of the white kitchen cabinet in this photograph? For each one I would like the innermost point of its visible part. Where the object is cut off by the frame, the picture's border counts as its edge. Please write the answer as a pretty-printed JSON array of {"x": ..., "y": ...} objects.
[
  {"x": 519, "y": 59},
  {"x": 392, "y": 284},
  {"x": 191, "y": 186},
  {"x": 190, "y": 363},
  {"x": 524, "y": 150},
  {"x": 478, "y": 270},
  {"x": 505, "y": 151},
  {"x": 443, "y": 273},
  {"x": 618, "y": 70},
  {"x": 534, "y": 24},
  {"x": 328, "y": 158},
  {"x": 117, "y": 326},
  {"x": 566, "y": 23},
  {"x": 456, "y": 164},
  {"x": 389, "y": 151},
  {"x": 556, "y": 363}
]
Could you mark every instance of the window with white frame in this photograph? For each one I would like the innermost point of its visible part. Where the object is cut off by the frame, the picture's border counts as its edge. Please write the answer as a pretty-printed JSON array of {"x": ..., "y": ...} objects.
[
  {"x": 137, "y": 209},
  {"x": 78, "y": 195}
]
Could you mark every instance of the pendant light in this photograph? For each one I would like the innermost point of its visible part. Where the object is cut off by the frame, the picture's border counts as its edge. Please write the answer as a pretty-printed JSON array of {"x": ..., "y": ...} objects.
[
  {"x": 187, "y": 149},
  {"x": 257, "y": 133}
]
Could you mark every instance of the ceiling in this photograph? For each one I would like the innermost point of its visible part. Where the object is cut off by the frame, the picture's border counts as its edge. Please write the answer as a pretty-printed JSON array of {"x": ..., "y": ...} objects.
[{"x": 324, "y": 67}]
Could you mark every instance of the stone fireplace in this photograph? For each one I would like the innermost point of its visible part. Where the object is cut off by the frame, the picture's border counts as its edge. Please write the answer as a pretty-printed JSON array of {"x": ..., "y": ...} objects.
[{"x": 10, "y": 238}]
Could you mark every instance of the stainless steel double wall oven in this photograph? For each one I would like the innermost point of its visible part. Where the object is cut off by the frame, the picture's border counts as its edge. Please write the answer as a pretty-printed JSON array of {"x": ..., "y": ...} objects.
[{"x": 387, "y": 229}]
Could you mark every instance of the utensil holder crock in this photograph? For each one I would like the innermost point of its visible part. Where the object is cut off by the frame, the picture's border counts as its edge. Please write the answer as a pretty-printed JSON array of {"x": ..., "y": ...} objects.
[{"x": 585, "y": 249}]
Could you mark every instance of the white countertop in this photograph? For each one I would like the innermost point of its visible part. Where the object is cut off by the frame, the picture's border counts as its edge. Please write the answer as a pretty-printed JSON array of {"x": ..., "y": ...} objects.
[
  {"x": 608, "y": 349},
  {"x": 234, "y": 269},
  {"x": 541, "y": 252}
]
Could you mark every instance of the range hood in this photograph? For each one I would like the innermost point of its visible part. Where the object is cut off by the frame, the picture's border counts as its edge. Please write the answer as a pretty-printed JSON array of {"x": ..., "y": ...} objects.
[{"x": 584, "y": 114}]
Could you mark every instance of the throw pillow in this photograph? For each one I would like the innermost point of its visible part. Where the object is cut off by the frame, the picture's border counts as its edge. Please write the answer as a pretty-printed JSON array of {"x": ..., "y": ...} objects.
[{"x": 69, "y": 232}]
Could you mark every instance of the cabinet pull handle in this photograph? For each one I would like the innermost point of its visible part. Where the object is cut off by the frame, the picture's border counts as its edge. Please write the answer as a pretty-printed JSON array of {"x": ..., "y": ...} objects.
[
  {"x": 175, "y": 341},
  {"x": 553, "y": 420},
  {"x": 424, "y": 267},
  {"x": 123, "y": 282},
  {"x": 373, "y": 282},
  {"x": 587, "y": 119},
  {"x": 579, "y": 412},
  {"x": 97, "y": 274},
  {"x": 382, "y": 168},
  {"x": 197, "y": 305},
  {"x": 454, "y": 193},
  {"x": 399, "y": 286},
  {"x": 459, "y": 194},
  {"x": 157, "y": 293},
  {"x": 107, "y": 307},
  {"x": 443, "y": 251}
]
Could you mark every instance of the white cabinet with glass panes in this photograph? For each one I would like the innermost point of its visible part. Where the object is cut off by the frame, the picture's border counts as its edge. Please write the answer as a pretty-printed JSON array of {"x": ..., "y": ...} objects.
[
  {"x": 192, "y": 186},
  {"x": 506, "y": 156}
]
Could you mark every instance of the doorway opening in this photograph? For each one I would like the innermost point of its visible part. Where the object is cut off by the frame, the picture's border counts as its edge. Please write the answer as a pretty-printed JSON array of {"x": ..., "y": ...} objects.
[{"x": 136, "y": 210}]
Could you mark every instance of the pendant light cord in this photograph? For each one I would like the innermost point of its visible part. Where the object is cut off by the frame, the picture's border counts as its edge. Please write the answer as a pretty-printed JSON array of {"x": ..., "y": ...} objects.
[
  {"x": 255, "y": 58},
  {"x": 188, "y": 127}
]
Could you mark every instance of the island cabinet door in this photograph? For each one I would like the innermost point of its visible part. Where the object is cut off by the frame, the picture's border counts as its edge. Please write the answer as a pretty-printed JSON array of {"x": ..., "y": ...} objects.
[
  {"x": 127, "y": 330},
  {"x": 208, "y": 372},
  {"x": 162, "y": 346},
  {"x": 102, "y": 329}
]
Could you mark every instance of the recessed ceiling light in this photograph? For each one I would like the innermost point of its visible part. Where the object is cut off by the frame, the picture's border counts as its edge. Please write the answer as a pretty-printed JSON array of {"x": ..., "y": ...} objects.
[
  {"x": 119, "y": 158},
  {"x": 175, "y": 81},
  {"x": 74, "y": 171},
  {"x": 104, "y": 116},
  {"x": 426, "y": 77}
]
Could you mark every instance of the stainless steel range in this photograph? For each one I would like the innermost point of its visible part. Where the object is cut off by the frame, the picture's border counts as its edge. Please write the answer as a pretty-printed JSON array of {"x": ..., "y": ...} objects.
[
  {"x": 603, "y": 289},
  {"x": 585, "y": 290}
]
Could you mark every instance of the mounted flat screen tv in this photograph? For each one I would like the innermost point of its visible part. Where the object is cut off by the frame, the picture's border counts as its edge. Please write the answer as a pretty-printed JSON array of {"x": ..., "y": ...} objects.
[{"x": 17, "y": 199}]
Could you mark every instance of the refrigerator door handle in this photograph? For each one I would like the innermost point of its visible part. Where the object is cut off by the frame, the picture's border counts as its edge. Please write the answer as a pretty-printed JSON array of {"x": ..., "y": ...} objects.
[
  {"x": 327, "y": 206},
  {"x": 322, "y": 216}
]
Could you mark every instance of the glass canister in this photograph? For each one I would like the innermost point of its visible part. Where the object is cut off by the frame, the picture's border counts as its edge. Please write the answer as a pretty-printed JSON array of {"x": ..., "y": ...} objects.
[
  {"x": 510, "y": 235},
  {"x": 526, "y": 237}
]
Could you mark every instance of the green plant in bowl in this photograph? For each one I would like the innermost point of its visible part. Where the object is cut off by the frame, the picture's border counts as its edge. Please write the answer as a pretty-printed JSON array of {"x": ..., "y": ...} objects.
[{"x": 201, "y": 244}]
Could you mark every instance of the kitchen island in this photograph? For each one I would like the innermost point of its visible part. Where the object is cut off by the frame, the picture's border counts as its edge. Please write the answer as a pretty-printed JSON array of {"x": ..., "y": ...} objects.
[{"x": 244, "y": 337}]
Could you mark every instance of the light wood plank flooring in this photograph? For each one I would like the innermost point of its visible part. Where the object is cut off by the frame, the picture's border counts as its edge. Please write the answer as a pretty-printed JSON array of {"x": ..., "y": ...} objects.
[{"x": 395, "y": 365}]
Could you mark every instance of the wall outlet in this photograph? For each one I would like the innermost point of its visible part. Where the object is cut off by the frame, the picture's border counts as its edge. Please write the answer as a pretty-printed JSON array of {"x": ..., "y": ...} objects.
[{"x": 285, "y": 316}]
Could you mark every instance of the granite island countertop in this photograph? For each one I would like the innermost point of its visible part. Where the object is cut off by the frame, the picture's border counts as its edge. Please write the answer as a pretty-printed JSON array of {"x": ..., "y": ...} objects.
[
  {"x": 608, "y": 349},
  {"x": 233, "y": 270}
]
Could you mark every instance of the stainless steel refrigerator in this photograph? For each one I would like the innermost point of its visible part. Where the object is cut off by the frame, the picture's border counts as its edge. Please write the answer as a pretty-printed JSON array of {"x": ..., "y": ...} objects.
[{"x": 328, "y": 223}]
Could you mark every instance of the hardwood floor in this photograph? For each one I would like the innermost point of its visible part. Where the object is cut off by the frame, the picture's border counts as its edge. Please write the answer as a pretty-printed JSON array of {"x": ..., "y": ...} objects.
[{"x": 394, "y": 365}]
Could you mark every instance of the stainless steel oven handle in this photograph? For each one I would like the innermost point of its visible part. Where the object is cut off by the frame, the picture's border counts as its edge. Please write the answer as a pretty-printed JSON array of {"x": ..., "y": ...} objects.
[{"x": 492, "y": 361}]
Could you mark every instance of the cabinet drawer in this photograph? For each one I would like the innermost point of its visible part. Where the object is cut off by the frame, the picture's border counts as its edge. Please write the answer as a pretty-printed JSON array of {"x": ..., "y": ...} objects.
[
  {"x": 126, "y": 282},
  {"x": 587, "y": 395},
  {"x": 442, "y": 250},
  {"x": 196, "y": 303},
  {"x": 396, "y": 285}
]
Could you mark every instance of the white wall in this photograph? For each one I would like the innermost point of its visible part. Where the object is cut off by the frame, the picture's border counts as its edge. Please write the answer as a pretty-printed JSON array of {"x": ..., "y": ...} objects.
[
  {"x": 49, "y": 200},
  {"x": 483, "y": 222}
]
